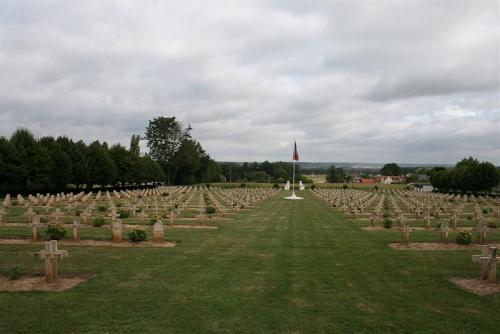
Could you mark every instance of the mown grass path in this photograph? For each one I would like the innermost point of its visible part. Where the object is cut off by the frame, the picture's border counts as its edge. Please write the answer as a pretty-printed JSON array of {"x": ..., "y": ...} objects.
[{"x": 286, "y": 267}]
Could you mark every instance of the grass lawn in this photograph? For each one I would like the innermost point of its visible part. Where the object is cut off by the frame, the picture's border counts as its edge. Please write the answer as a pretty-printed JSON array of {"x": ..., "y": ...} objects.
[{"x": 285, "y": 267}]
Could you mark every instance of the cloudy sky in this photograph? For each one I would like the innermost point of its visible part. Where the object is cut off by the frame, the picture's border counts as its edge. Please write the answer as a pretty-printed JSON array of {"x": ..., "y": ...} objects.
[{"x": 371, "y": 82}]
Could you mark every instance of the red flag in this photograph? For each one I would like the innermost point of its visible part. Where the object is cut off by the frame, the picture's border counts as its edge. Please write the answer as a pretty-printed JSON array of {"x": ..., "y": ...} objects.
[{"x": 295, "y": 153}]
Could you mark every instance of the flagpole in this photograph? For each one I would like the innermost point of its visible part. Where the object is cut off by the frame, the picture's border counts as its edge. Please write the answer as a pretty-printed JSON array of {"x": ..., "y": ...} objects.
[{"x": 293, "y": 179}]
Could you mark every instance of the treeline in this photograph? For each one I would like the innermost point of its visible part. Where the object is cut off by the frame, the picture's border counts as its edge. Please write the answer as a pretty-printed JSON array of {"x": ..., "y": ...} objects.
[
  {"x": 468, "y": 175},
  {"x": 260, "y": 172},
  {"x": 29, "y": 164}
]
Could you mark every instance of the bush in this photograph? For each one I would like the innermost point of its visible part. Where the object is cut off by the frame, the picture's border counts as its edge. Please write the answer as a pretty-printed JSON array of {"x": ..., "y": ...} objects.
[
  {"x": 13, "y": 273},
  {"x": 386, "y": 215},
  {"x": 345, "y": 186},
  {"x": 276, "y": 186},
  {"x": 152, "y": 221},
  {"x": 55, "y": 230},
  {"x": 208, "y": 185},
  {"x": 485, "y": 211},
  {"x": 43, "y": 220},
  {"x": 137, "y": 235},
  {"x": 118, "y": 205},
  {"x": 375, "y": 188},
  {"x": 165, "y": 194},
  {"x": 78, "y": 212},
  {"x": 387, "y": 223},
  {"x": 463, "y": 238},
  {"x": 124, "y": 214},
  {"x": 469, "y": 217},
  {"x": 210, "y": 209},
  {"x": 98, "y": 221},
  {"x": 243, "y": 185},
  {"x": 313, "y": 187},
  {"x": 102, "y": 208},
  {"x": 492, "y": 224}
]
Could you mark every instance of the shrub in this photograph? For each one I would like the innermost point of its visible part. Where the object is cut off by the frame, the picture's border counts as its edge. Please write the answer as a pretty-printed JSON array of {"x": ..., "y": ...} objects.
[
  {"x": 276, "y": 186},
  {"x": 43, "y": 220},
  {"x": 208, "y": 185},
  {"x": 209, "y": 209},
  {"x": 407, "y": 188},
  {"x": 78, "y": 212},
  {"x": 55, "y": 230},
  {"x": 375, "y": 188},
  {"x": 386, "y": 215},
  {"x": 98, "y": 221},
  {"x": 485, "y": 211},
  {"x": 463, "y": 238},
  {"x": 165, "y": 194},
  {"x": 152, "y": 221},
  {"x": 345, "y": 186},
  {"x": 102, "y": 208},
  {"x": 124, "y": 214},
  {"x": 13, "y": 273},
  {"x": 243, "y": 185},
  {"x": 313, "y": 187},
  {"x": 469, "y": 217},
  {"x": 387, "y": 223},
  {"x": 137, "y": 235},
  {"x": 118, "y": 205},
  {"x": 492, "y": 224}
]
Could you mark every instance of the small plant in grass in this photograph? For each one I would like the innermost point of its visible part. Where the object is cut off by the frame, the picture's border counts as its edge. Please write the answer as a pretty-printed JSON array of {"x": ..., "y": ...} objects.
[
  {"x": 55, "y": 230},
  {"x": 492, "y": 224},
  {"x": 386, "y": 215},
  {"x": 345, "y": 186},
  {"x": 208, "y": 185},
  {"x": 209, "y": 209},
  {"x": 485, "y": 211},
  {"x": 98, "y": 221},
  {"x": 387, "y": 223},
  {"x": 137, "y": 235},
  {"x": 243, "y": 185},
  {"x": 469, "y": 217},
  {"x": 313, "y": 187},
  {"x": 102, "y": 208},
  {"x": 463, "y": 238},
  {"x": 118, "y": 205},
  {"x": 124, "y": 214},
  {"x": 43, "y": 220},
  {"x": 176, "y": 206},
  {"x": 78, "y": 212},
  {"x": 276, "y": 186},
  {"x": 152, "y": 221},
  {"x": 375, "y": 188},
  {"x": 13, "y": 273},
  {"x": 165, "y": 194}
]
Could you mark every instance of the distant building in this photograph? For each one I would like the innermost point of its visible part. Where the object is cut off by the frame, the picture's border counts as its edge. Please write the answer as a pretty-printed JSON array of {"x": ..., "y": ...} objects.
[{"x": 390, "y": 179}]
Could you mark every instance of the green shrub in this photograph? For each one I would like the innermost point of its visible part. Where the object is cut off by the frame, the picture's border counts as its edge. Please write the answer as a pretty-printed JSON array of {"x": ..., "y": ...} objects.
[
  {"x": 208, "y": 185},
  {"x": 313, "y": 187},
  {"x": 463, "y": 238},
  {"x": 386, "y": 215},
  {"x": 165, "y": 194},
  {"x": 78, "y": 212},
  {"x": 124, "y": 214},
  {"x": 276, "y": 186},
  {"x": 492, "y": 224},
  {"x": 137, "y": 235},
  {"x": 375, "y": 188},
  {"x": 344, "y": 186},
  {"x": 243, "y": 185},
  {"x": 13, "y": 273},
  {"x": 98, "y": 221},
  {"x": 387, "y": 223},
  {"x": 118, "y": 205},
  {"x": 469, "y": 217},
  {"x": 102, "y": 208},
  {"x": 176, "y": 206},
  {"x": 152, "y": 221},
  {"x": 209, "y": 209},
  {"x": 485, "y": 211},
  {"x": 43, "y": 220},
  {"x": 55, "y": 230}
]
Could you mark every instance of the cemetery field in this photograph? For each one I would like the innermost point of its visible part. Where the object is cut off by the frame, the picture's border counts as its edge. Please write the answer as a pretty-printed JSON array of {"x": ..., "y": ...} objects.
[{"x": 282, "y": 267}]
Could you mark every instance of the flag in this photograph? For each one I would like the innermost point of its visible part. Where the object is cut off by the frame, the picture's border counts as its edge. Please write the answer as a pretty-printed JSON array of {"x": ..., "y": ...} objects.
[{"x": 295, "y": 153}]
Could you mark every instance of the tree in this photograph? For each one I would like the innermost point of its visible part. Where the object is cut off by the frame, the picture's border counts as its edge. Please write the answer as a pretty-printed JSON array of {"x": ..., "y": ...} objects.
[
  {"x": 335, "y": 175},
  {"x": 164, "y": 136},
  {"x": 391, "y": 169},
  {"x": 186, "y": 162},
  {"x": 102, "y": 169},
  {"x": 134, "y": 145}
]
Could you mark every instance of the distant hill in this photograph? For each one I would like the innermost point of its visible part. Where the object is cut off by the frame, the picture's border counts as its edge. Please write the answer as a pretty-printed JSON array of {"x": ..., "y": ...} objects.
[{"x": 360, "y": 165}]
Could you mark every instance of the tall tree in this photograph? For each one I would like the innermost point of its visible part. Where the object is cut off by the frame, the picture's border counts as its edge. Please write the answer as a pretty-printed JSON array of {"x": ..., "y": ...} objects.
[
  {"x": 134, "y": 145},
  {"x": 391, "y": 169},
  {"x": 164, "y": 136}
]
